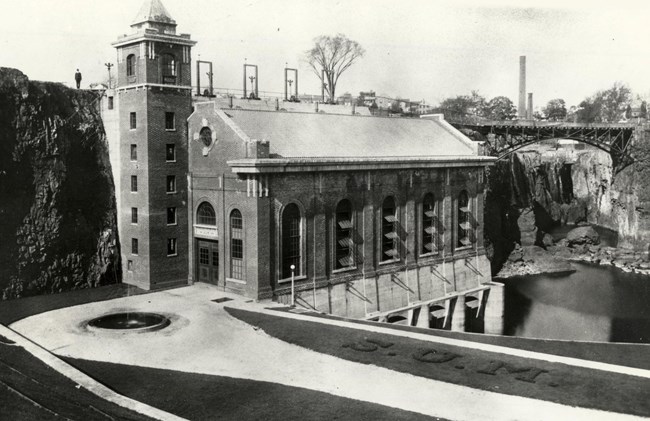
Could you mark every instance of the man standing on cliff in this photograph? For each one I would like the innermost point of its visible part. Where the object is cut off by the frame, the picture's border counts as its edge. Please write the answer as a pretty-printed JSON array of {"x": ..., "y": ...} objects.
[{"x": 77, "y": 78}]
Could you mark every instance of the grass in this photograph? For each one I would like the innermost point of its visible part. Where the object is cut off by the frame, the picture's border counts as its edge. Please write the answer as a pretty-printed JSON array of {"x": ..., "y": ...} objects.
[
  {"x": 31, "y": 390},
  {"x": 14, "y": 310},
  {"x": 501, "y": 373},
  {"x": 629, "y": 355},
  {"x": 206, "y": 397}
]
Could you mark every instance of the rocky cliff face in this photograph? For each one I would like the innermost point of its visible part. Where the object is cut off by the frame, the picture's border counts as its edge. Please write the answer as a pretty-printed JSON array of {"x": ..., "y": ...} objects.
[
  {"x": 534, "y": 191},
  {"x": 57, "y": 200}
]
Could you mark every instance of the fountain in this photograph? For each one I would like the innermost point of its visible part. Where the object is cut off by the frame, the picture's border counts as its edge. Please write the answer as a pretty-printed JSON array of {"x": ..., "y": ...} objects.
[{"x": 129, "y": 322}]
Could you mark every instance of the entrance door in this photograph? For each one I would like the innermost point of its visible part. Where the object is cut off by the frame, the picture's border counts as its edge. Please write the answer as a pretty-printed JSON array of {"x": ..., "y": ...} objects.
[{"x": 208, "y": 261}]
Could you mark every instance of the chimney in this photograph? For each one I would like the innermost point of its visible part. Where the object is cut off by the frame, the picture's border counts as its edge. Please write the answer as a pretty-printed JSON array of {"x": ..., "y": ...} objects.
[
  {"x": 529, "y": 114},
  {"x": 521, "y": 111}
]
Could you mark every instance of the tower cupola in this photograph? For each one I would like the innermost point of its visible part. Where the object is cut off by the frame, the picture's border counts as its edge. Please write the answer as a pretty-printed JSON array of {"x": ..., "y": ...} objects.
[{"x": 153, "y": 15}]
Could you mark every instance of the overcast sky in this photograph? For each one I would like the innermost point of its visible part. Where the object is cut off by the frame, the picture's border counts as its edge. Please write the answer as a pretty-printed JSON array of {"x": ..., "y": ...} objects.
[{"x": 415, "y": 49}]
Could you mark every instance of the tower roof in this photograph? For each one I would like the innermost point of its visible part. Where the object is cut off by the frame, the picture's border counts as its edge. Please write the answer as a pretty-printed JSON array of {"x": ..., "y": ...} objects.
[{"x": 153, "y": 11}]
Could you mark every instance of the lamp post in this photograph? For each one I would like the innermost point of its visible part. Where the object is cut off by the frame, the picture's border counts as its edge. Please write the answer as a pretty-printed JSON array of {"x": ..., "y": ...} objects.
[
  {"x": 110, "y": 79},
  {"x": 293, "y": 290}
]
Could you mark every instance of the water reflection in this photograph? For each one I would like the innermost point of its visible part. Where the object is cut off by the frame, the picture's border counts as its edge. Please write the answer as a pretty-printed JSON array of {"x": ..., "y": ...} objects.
[{"x": 596, "y": 303}]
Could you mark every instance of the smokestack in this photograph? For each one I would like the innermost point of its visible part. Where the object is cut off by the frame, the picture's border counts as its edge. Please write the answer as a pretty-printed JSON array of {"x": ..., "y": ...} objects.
[
  {"x": 529, "y": 114},
  {"x": 521, "y": 111}
]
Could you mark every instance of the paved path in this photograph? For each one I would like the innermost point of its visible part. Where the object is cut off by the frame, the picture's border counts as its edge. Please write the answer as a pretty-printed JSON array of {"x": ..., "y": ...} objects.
[{"x": 203, "y": 338}]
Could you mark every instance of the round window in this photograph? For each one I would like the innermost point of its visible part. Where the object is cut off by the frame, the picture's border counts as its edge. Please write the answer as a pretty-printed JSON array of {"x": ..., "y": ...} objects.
[{"x": 206, "y": 136}]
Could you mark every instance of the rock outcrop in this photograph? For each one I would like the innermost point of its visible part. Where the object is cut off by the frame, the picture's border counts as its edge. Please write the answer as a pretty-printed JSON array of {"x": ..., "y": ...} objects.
[
  {"x": 582, "y": 235},
  {"x": 57, "y": 199}
]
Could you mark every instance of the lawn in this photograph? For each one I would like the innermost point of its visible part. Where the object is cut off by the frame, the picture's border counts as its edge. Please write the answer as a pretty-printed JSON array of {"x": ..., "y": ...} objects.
[
  {"x": 630, "y": 355},
  {"x": 501, "y": 373},
  {"x": 31, "y": 390},
  {"x": 14, "y": 310},
  {"x": 206, "y": 397}
]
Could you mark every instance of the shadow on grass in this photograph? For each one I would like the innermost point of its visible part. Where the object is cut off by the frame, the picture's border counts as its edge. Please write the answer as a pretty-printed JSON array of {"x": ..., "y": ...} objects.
[{"x": 206, "y": 397}]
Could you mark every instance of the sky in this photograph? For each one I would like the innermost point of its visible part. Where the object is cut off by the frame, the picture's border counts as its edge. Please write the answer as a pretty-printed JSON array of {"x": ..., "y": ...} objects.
[{"x": 420, "y": 49}]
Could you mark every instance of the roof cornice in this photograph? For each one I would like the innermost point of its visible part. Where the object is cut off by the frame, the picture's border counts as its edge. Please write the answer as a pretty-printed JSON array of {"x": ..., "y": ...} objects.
[
  {"x": 139, "y": 37},
  {"x": 291, "y": 165}
]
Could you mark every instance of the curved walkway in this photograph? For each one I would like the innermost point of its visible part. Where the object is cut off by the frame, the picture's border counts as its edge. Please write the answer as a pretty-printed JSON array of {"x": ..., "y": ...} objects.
[{"x": 203, "y": 338}]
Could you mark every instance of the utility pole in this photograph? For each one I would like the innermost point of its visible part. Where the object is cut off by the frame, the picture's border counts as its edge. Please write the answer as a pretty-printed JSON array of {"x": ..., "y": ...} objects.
[{"x": 110, "y": 79}]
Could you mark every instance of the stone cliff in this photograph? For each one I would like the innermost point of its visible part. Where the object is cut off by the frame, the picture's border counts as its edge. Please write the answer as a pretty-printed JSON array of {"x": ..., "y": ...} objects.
[
  {"x": 533, "y": 191},
  {"x": 57, "y": 199}
]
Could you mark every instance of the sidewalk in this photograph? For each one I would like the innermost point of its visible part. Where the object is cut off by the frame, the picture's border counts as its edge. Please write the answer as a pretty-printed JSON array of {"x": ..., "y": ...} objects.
[{"x": 204, "y": 338}]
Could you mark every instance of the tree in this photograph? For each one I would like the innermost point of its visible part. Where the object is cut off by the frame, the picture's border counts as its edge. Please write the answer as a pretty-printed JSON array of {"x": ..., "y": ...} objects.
[
  {"x": 614, "y": 102},
  {"x": 501, "y": 108},
  {"x": 555, "y": 110},
  {"x": 605, "y": 106},
  {"x": 463, "y": 106},
  {"x": 330, "y": 57},
  {"x": 589, "y": 110}
]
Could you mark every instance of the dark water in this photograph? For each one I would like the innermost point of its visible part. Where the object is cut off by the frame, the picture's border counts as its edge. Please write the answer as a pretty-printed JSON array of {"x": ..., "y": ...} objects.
[{"x": 595, "y": 303}]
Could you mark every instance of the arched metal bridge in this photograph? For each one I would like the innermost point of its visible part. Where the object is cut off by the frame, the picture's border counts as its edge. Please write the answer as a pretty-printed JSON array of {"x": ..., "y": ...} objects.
[{"x": 505, "y": 137}]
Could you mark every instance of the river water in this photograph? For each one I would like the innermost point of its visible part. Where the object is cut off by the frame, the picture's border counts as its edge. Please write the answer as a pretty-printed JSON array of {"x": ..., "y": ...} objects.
[{"x": 595, "y": 303}]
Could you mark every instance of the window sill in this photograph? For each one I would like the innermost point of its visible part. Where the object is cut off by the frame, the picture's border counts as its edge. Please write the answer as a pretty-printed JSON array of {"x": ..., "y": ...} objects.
[
  {"x": 388, "y": 262},
  {"x": 295, "y": 279},
  {"x": 172, "y": 255},
  {"x": 236, "y": 281},
  {"x": 343, "y": 270},
  {"x": 470, "y": 247},
  {"x": 134, "y": 254},
  {"x": 168, "y": 160},
  {"x": 171, "y": 192},
  {"x": 170, "y": 130},
  {"x": 172, "y": 225},
  {"x": 133, "y": 192},
  {"x": 431, "y": 254}
]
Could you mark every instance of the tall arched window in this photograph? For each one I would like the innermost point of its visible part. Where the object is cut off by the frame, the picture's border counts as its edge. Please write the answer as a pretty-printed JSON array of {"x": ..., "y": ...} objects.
[
  {"x": 130, "y": 65},
  {"x": 169, "y": 68},
  {"x": 465, "y": 234},
  {"x": 236, "y": 245},
  {"x": 205, "y": 214},
  {"x": 429, "y": 227},
  {"x": 344, "y": 244},
  {"x": 291, "y": 240},
  {"x": 389, "y": 236}
]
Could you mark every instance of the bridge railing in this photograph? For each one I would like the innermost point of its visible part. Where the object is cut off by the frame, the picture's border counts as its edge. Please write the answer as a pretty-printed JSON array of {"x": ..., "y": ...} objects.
[{"x": 478, "y": 121}]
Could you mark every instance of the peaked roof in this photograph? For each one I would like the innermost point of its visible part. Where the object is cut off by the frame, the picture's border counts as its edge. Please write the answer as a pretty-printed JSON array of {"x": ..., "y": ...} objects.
[
  {"x": 153, "y": 11},
  {"x": 312, "y": 135}
]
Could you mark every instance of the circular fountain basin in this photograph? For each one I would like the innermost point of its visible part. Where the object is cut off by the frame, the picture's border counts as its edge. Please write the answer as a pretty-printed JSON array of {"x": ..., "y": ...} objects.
[{"x": 130, "y": 322}]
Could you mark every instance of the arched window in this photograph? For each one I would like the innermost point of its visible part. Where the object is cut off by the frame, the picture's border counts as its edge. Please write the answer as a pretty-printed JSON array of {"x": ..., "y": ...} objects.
[
  {"x": 205, "y": 214},
  {"x": 291, "y": 240},
  {"x": 236, "y": 245},
  {"x": 130, "y": 65},
  {"x": 389, "y": 236},
  {"x": 429, "y": 225},
  {"x": 465, "y": 234},
  {"x": 344, "y": 227},
  {"x": 169, "y": 69}
]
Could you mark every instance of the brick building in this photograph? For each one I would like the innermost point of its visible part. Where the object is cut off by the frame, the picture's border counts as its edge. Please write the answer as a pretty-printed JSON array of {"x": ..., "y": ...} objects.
[
  {"x": 365, "y": 214},
  {"x": 372, "y": 213},
  {"x": 145, "y": 119}
]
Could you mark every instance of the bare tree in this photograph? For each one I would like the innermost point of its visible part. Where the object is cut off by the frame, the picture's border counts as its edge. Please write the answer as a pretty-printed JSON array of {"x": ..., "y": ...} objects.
[{"x": 330, "y": 57}]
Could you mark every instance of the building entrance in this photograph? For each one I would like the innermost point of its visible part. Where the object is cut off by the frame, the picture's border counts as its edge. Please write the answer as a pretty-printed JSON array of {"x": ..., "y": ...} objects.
[{"x": 208, "y": 261}]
